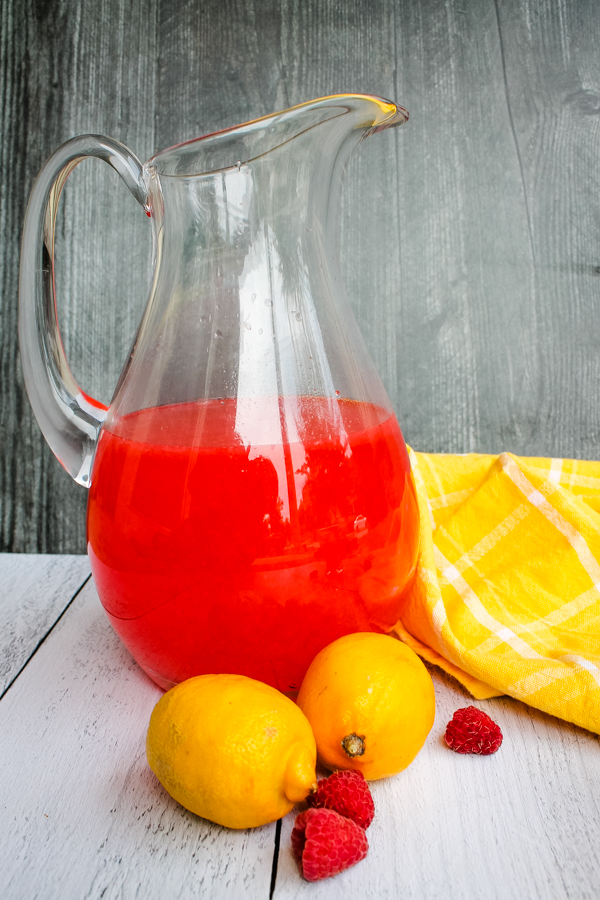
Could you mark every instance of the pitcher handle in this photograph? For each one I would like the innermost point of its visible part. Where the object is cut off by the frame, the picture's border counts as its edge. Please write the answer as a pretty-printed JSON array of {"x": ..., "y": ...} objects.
[{"x": 70, "y": 420}]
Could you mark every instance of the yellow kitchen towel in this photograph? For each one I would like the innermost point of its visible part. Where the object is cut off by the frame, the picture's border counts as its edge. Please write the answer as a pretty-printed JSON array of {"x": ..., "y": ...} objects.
[{"x": 507, "y": 592}]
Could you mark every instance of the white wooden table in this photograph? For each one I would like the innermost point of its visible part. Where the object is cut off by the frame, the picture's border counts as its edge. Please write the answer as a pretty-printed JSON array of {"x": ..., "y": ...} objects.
[{"x": 81, "y": 815}]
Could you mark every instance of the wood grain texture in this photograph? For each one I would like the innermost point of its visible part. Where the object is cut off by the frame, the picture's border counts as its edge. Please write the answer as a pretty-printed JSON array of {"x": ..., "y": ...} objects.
[
  {"x": 556, "y": 123},
  {"x": 470, "y": 237},
  {"x": 482, "y": 173},
  {"x": 524, "y": 822},
  {"x": 69, "y": 67},
  {"x": 82, "y": 816},
  {"x": 81, "y": 813},
  {"x": 34, "y": 591}
]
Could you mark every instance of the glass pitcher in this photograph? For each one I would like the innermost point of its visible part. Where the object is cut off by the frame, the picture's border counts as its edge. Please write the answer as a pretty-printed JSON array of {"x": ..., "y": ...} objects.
[{"x": 251, "y": 498}]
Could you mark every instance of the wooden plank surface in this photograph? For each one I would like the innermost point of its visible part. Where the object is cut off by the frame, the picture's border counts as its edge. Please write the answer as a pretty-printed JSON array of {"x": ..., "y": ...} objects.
[
  {"x": 552, "y": 79},
  {"x": 524, "y": 822},
  {"x": 469, "y": 237},
  {"x": 81, "y": 814},
  {"x": 34, "y": 591},
  {"x": 69, "y": 67}
]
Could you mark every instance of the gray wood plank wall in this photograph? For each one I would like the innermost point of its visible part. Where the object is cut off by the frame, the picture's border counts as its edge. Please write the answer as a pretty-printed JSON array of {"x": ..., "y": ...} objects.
[{"x": 471, "y": 237}]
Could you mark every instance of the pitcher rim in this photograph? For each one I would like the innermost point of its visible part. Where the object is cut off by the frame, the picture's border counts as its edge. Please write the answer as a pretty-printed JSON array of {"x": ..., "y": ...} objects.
[{"x": 393, "y": 115}]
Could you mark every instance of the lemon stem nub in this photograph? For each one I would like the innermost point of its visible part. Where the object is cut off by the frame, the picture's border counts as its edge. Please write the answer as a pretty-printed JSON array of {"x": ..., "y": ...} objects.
[{"x": 353, "y": 745}]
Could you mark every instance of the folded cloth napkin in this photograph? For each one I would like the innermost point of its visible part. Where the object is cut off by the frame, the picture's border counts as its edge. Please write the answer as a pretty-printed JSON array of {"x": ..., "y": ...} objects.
[{"x": 507, "y": 592}]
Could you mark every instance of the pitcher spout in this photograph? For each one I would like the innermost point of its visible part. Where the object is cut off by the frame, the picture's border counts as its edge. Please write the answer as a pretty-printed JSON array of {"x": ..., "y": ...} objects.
[
  {"x": 361, "y": 114},
  {"x": 247, "y": 299}
]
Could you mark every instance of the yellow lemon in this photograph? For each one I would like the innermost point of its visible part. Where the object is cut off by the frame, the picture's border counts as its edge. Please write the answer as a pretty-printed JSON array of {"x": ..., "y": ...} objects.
[
  {"x": 371, "y": 703},
  {"x": 232, "y": 749}
]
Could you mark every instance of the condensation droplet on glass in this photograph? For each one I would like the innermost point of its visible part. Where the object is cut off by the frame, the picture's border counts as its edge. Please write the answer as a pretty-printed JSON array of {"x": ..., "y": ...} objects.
[
  {"x": 268, "y": 302},
  {"x": 253, "y": 297},
  {"x": 298, "y": 317},
  {"x": 337, "y": 393},
  {"x": 239, "y": 164},
  {"x": 218, "y": 334},
  {"x": 360, "y": 523},
  {"x": 247, "y": 326},
  {"x": 260, "y": 330}
]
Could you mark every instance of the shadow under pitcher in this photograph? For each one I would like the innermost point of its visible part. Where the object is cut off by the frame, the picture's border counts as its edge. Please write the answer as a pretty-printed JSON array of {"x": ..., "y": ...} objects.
[{"x": 250, "y": 493}]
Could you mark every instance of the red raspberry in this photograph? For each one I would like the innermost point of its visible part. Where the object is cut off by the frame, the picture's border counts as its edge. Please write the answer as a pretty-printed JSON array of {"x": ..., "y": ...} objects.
[
  {"x": 472, "y": 731},
  {"x": 325, "y": 843},
  {"x": 348, "y": 794}
]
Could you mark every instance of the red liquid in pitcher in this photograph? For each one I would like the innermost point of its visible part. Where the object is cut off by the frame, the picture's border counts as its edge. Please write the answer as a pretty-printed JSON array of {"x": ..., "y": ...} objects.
[{"x": 222, "y": 540}]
